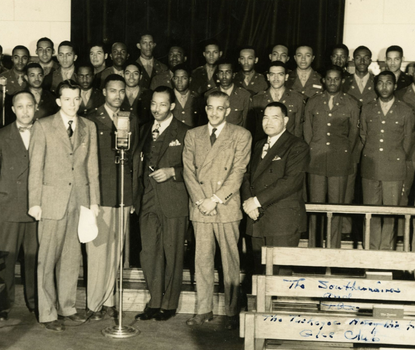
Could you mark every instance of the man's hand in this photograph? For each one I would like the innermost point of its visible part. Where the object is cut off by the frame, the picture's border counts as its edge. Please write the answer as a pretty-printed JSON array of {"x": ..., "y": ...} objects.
[
  {"x": 95, "y": 209},
  {"x": 249, "y": 205},
  {"x": 36, "y": 212},
  {"x": 207, "y": 207},
  {"x": 253, "y": 214},
  {"x": 162, "y": 174}
]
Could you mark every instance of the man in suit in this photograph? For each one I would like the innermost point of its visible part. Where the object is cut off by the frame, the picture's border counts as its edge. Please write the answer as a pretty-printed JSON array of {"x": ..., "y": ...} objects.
[
  {"x": 273, "y": 186},
  {"x": 204, "y": 77},
  {"x": 331, "y": 130},
  {"x": 15, "y": 77},
  {"x": 215, "y": 159},
  {"x": 63, "y": 175},
  {"x": 304, "y": 79},
  {"x": 279, "y": 53},
  {"x": 150, "y": 66},
  {"x": 97, "y": 56},
  {"x": 17, "y": 229},
  {"x": 340, "y": 57},
  {"x": 45, "y": 51},
  {"x": 161, "y": 201},
  {"x": 394, "y": 58},
  {"x": 239, "y": 97},
  {"x": 45, "y": 100},
  {"x": 119, "y": 55},
  {"x": 248, "y": 78},
  {"x": 92, "y": 97},
  {"x": 386, "y": 131},
  {"x": 103, "y": 252}
]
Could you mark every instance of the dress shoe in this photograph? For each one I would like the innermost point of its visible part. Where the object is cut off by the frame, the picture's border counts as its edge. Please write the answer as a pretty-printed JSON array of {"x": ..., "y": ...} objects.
[
  {"x": 4, "y": 316},
  {"x": 200, "y": 319},
  {"x": 54, "y": 326},
  {"x": 164, "y": 315},
  {"x": 148, "y": 314},
  {"x": 232, "y": 322},
  {"x": 75, "y": 317},
  {"x": 95, "y": 316},
  {"x": 110, "y": 311}
]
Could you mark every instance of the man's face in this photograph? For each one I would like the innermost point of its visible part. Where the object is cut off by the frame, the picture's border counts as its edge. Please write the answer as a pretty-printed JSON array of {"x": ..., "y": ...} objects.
[
  {"x": 176, "y": 56},
  {"x": 181, "y": 80},
  {"x": 304, "y": 57},
  {"x": 97, "y": 56},
  {"x": 69, "y": 101},
  {"x": 277, "y": 77},
  {"x": 339, "y": 57},
  {"x": 132, "y": 75},
  {"x": 225, "y": 75},
  {"x": 394, "y": 61},
  {"x": 20, "y": 58},
  {"x": 247, "y": 60},
  {"x": 161, "y": 106},
  {"x": 385, "y": 87},
  {"x": 279, "y": 53},
  {"x": 333, "y": 81},
  {"x": 212, "y": 54},
  {"x": 119, "y": 54},
  {"x": 85, "y": 77},
  {"x": 146, "y": 45},
  {"x": 274, "y": 121},
  {"x": 44, "y": 51},
  {"x": 66, "y": 56},
  {"x": 114, "y": 93},
  {"x": 362, "y": 60},
  {"x": 217, "y": 110},
  {"x": 24, "y": 107},
  {"x": 34, "y": 77}
]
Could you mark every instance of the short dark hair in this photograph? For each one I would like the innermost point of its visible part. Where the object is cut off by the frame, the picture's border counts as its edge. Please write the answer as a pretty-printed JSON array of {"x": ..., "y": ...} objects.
[
  {"x": 67, "y": 43},
  {"x": 1, "y": 49},
  {"x": 167, "y": 90},
  {"x": 247, "y": 47},
  {"x": 68, "y": 84},
  {"x": 304, "y": 45},
  {"x": 225, "y": 60},
  {"x": 181, "y": 66},
  {"x": 84, "y": 64},
  {"x": 211, "y": 42},
  {"x": 278, "y": 64},
  {"x": 335, "y": 68},
  {"x": 362, "y": 48},
  {"x": 279, "y": 105},
  {"x": 342, "y": 47},
  {"x": 385, "y": 72},
  {"x": 99, "y": 44},
  {"x": 21, "y": 47},
  {"x": 219, "y": 94},
  {"x": 33, "y": 65},
  {"x": 45, "y": 39},
  {"x": 147, "y": 33},
  {"x": 22, "y": 92},
  {"x": 395, "y": 48},
  {"x": 133, "y": 63},
  {"x": 113, "y": 77}
]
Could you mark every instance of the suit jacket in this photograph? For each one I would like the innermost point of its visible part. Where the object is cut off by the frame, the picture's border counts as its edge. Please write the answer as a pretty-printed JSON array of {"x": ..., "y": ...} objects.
[
  {"x": 95, "y": 100},
  {"x": 56, "y": 79},
  {"x": 239, "y": 100},
  {"x": 217, "y": 169},
  {"x": 158, "y": 67},
  {"x": 311, "y": 87},
  {"x": 387, "y": 141},
  {"x": 278, "y": 183},
  {"x": 59, "y": 170},
  {"x": 257, "y": 83},
  {"x": 200, "y": 82},
  {"x": 109, "y": 172},
  {"x": 368, "y": 95},
  {"x": 140, "y": 107},
  {"x": 12, "y": 85},
  {"x": 14, "y": 172},
  {"x": 171, "y": 194},
  {"x": 331, "y": 134},
  {"x": 161, "y": 79},
  {"x": 192, "y": 113}
]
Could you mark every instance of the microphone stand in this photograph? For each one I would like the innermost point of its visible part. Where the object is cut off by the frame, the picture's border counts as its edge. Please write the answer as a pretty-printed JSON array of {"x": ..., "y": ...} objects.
[
  {"x": 4, "y": 105},
  {"x": 120, "y": 331}
]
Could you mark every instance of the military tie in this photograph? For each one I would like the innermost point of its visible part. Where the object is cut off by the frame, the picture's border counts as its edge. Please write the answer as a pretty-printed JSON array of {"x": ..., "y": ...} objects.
[
  {"x": 213, "y": 136},
  {"x": 69, "y": 130},
  {"x": 156, "y": 131},
  {"x": 265, "y": 149},
  {"x": 331, "y": 102}
]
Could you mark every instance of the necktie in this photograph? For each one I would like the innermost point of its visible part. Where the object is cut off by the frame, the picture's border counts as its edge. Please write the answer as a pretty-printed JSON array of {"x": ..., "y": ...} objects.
[
  {"x": 24, "y": 128},
  {"x": 156, "y": 132},
  {"x": 148, "y": 68},
  {"x": 84, "y": 99},
  {"x": 265, "y": 150},
  {"x": 130, "y": 96},
  {"x": 20, "y": 80},
  {"x": 70, "y": 130},
  {"x": 247, "y": 79},
  {"x": 331, "y": 102},
  {"x": 213, "y": 136}
]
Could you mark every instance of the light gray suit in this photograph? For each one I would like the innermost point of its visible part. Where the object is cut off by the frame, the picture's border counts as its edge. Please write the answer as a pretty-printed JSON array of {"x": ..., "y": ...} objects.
[
  {"x": 62, "y": 177},
  {"x": 219, "y": 170}
]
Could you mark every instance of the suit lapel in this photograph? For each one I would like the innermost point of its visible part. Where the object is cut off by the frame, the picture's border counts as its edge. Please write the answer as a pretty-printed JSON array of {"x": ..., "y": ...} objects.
[
  {"x": 221, "y": 142},
  {"x": 61, "y": 130},
  {"x": 171, "y": 134},
  {"x": 18, "y": 147},
  {"x": 79, "y": 133}
]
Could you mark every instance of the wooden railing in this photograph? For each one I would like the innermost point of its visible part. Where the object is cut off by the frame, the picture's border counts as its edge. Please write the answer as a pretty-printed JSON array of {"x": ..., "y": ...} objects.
[{"x": 368, "y": 211}]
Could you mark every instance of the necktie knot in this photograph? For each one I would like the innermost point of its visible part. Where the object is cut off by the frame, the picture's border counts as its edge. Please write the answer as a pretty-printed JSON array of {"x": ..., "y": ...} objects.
[
  {"x": 213, "y": 136},
  {"x": 70, "y": 130},
  {"x": 265, "y": 149},
  {"x": 24, "y": 128},
  {"x": 156, "y": 131}
]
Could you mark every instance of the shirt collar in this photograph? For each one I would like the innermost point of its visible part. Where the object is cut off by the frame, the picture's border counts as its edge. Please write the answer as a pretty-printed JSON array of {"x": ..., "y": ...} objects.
[
  {"x": 66, "y": 118},
  {"x": 219, "y": 128},
  {"x": 272, "y": 140},
  {"x": 164, "y": 124},
  {"x": 110, "y": 111}
]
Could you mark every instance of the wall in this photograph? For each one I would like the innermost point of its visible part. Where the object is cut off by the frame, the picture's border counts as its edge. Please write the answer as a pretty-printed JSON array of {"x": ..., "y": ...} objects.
[
  {"x": 378, "y": 24},
  {"x": 23, "y": 22}
]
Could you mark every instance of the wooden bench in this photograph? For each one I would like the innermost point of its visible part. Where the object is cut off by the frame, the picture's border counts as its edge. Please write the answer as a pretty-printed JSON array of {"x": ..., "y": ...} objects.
[{"x": 333, "y": 310}]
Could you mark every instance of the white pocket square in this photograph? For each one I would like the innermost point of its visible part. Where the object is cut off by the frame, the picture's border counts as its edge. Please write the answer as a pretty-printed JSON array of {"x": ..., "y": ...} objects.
[
  {"x": 276, "y": 158},
  {"x": 174, "y": 143}
]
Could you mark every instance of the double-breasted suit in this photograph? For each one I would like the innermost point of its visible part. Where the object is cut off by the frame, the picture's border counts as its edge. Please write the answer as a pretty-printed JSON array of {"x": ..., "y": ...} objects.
[
  {"x": 63, "y": 176},
  {"x": 312, "y": 86}
]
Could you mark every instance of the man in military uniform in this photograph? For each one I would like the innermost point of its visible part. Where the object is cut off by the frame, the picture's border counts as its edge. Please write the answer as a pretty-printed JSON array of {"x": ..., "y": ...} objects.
[
  {"x": 304, "y": 79},
  {"x": 97, "y": 56},
  {"x": 394, "y": 58},
  {"x": 331, "y": 130},
  {"x": 15, "y": 76},
  {"x": 386, "y": 132},
  {"x": 248, "y": 78},
  {"x": 204, "y": 77},
  {"x": 340, "y": 57},
  {"x": 279, "y": 53},
  {"x": 239, "y": 98},
  {"x": 151, "y": 66},
  {"x": 277, "y": 76},
  {"x": 119, "y": 55}
]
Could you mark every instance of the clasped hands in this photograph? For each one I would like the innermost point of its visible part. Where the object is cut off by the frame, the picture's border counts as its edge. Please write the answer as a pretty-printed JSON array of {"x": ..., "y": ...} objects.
[
  {"x": 208, "y": 207},
  {"x": 251, "y": 208}
]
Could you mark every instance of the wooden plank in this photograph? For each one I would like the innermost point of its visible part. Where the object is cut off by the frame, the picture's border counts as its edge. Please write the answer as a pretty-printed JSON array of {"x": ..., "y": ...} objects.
[
  {"x": 359, "y": 259},
  {"x": 336, "y": 328},
  {"x": 358, "y": 209},
  {"x": 340, "y": 306}
]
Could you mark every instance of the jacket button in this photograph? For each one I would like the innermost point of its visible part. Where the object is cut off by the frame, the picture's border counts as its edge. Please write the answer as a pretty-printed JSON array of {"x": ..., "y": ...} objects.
[{"x": 201, "y": 182}]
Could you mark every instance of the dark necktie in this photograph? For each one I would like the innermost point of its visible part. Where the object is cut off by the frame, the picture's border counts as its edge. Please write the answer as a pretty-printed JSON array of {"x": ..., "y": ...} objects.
[
  {"x": 213, "y": 136},
  {"x": 70, "y": 130}
]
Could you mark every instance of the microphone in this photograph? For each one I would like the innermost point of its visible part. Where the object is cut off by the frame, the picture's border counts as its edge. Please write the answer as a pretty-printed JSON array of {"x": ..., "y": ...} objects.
[{"x": 123, "y": 133}]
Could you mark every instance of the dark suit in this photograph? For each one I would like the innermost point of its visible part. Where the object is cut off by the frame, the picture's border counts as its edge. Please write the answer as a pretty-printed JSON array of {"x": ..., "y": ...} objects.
[
  {"x": 158, "y": 67},
  {"x": 95, "y": 100},
  {"x": 163, "y": 208},
  {"x": 257, "y": 83},
  {"x": 200, "y": 81},
  {"x": 312, "y": 86},
  {"x": 47, "y": 105},
  {"x": 56, "y": 79},
  {"x": 17, "y": 228}
]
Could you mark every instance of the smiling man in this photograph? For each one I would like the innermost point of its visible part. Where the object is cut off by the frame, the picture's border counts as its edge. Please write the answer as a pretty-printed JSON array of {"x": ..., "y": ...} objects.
[
  {"x": 45, "y": 51},
  {"x": 97, "y": 56},
  {"x": 66, "y": 70},
  {"x": 15, "y": 76},
  {"x": 119, "y": 55},
  {"x": 394, "y": 59}
]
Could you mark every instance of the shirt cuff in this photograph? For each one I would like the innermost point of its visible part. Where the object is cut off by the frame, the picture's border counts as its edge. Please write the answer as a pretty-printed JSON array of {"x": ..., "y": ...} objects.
[
  {"x": 216, "y": 199},
  {"x": 257, "y": 202}
]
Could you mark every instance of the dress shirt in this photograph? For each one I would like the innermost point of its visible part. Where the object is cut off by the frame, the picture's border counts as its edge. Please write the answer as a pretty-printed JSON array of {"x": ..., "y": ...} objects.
[
  {"x": 303, "y": 75},
  {"x": 111, "y": 113},
  {"x": 182, "y": 98},
  {"x": 163, "y": 124},
  {"x": 361, "y": 82},
  {"x": 386, "y": 106},
  {"x": 25, "y": 135},
  {"x": 67, "y": 73},
  {"x": 227, "y": 91},
  {"x": 218, "y": 128},
  {"x": 66, "y": 118}
]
